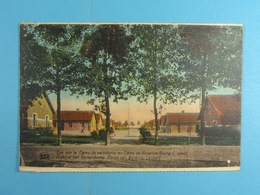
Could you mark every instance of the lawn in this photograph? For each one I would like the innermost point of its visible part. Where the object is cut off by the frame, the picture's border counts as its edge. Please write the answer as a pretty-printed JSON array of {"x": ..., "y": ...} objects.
[
  {"x": 49, "y": 139},
  {"x": 210, "y": 140},
  {"x": 27, "y": 138}
]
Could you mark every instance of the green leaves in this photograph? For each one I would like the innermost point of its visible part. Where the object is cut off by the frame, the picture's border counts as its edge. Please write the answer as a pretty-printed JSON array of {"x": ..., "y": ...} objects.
[
  {"x": 157, "y": 61},
  {"x": 214, "y": 56},
  {"x": 108, "y": 41},
  {"x": 109, "y": 62},
  {"x": 107, "y": 48}
]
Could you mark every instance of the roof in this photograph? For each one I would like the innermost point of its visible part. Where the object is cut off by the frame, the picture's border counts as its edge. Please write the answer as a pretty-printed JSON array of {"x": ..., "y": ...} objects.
[
  {"x": 98, "y": 117},
  {"x": 225, "y": 103},
  {"x": 118, "y": 123},
  {"x": 150, "y": 122},
  {"x": 227, "y": 106},
  {"x": 75, "y": 115},
  {"x": 49, "y": 102},
  {"x": 178, "y": 118},
  {"x": 104, "y": 121},
  {"x": 42, "y": 95},
  {"x": 162, "y": 120}
]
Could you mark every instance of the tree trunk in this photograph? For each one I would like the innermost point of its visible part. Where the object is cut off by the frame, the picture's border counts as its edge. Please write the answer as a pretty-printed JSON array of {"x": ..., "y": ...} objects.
[
  {"x": 58, "y": 117},
  {"x": 155, "y": 117},
  {"x": 155, "y": 87},
  {"x": 107, "y": 120},
  {"x": 202, "y": 117}
]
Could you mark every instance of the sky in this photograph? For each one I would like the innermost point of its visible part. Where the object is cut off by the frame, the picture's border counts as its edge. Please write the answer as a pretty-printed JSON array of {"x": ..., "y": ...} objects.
[{"x": 130, "y": 110}]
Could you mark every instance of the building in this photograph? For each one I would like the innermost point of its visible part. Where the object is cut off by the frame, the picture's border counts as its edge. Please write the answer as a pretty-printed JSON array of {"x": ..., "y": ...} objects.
[
  {"x": 111, "y": 123},
  {"x": 75, "y": 122},
  {"x": 181, "y": 123},
  {"x": 150, "y": 124},
  {"x": 162, "y": 126},
  {"x": 99, "y": 121},
  {"x": 222, "y": 110},
  {"x": 38, "y": 114},
  {"x": 119, "y": 125}
]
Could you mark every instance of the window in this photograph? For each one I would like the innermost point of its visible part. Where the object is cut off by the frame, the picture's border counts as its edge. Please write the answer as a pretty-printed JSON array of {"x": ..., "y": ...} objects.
[
  {"x": 34, "y": 120},
  {"x": 70, "y": 124},
  {"x": 47, "y": 121}
]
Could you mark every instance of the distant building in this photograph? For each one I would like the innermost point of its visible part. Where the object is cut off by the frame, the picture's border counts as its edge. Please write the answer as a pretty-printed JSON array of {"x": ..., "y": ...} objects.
[
  {"x": 162, "y": 126},
  {"x": 150, "y": 124},
  {"x": 38, "y": 114},
  {"x": 81, "y": 121},
  {"x": 181, "y": 123},
  {"x": 118, "y": 125},
  {"x": 99, "y": 121},
  {"x": 111, "y": 123},
  {"x": 222, "y": 110}
]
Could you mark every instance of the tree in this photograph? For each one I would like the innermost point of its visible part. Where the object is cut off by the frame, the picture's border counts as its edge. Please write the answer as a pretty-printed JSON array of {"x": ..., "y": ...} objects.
[
  {"x": 47, "y": 59},
  {"x": 214, "y": 59},
  {"x": 132, "y": 124},
  {"x": 107, "y": 69},
  {"x": 157, "y": 62},
  {"x": 126, "y": 123},
  {"x": 30, "y": 88}
]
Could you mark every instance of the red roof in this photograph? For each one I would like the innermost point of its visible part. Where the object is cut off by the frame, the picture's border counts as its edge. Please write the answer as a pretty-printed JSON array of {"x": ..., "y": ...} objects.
[
  {"x": 162, "y": 119},
  {"x": 150, "y": 123},
  {"x": 119, "y": 123},
  {"x": 75, "y": 115},
  {"x": 179, "y": 118},
  {"x": 225, "y": 103},
  {"x": 228, "y": 107}
]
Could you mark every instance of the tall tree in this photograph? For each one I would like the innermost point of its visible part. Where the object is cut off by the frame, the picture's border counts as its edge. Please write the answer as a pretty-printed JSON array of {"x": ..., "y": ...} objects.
[
  {"x": 106, "y": 50},
  {"x": 157, "y": 62},
  {"x": 47, "y": 61},
  {"x": 214, "y": 59},
  {"x": 30, "y": 88}
]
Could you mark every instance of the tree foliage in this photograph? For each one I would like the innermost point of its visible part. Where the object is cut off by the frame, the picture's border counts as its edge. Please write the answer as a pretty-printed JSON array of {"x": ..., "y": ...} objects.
[
  {"x": 106, "y": 50},
  {"x": 31, "y": 54},
  {"x": 166, "y": 63},
  {"x": 214, "y": 56},
  {"x": 47, "y": 60},
  {"x": 214, "y": 60},
  {"x": 157, "y": 61}
]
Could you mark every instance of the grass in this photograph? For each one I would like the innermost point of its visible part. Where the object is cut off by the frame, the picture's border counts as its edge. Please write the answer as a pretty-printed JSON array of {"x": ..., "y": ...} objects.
[
  {"x": 29, "y": 138},
  {"x": 53, "y": 139},
  {"x": 222, "y": 141},
  {"x": 79, "y": 140}
]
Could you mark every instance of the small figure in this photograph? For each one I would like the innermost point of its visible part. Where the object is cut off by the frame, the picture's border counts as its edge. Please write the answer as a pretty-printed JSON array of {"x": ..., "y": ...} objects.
[{"x": 82, "y": 130}]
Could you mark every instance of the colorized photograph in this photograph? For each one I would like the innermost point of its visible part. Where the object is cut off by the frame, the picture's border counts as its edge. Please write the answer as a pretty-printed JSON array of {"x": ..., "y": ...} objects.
[{"x": 97, "y": 97}]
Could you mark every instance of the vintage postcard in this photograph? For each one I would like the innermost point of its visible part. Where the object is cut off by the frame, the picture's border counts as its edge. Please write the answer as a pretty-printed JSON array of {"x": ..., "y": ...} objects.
[{"x": 107, "y": 97}]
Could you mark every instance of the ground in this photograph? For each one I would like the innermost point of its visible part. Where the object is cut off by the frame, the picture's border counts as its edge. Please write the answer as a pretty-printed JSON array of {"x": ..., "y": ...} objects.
[{"x": 124, "y": 151}]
